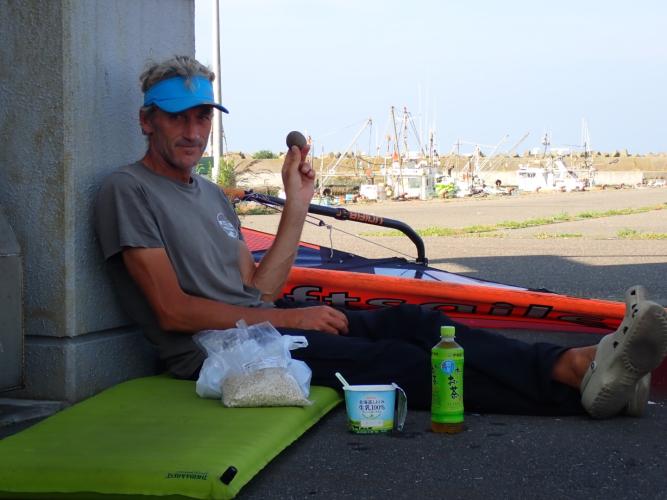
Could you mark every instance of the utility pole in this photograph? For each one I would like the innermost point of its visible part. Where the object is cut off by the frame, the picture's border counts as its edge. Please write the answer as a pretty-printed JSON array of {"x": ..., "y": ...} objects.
[{"x": 218, "y": 131}]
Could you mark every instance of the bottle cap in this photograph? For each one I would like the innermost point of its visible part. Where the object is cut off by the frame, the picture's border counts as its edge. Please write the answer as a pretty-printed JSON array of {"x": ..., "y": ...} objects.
[{"x": 447, "y": 332}]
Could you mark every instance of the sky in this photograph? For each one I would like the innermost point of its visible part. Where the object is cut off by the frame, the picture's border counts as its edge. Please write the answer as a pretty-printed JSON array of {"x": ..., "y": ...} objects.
[{"x": 473, "y": 71}]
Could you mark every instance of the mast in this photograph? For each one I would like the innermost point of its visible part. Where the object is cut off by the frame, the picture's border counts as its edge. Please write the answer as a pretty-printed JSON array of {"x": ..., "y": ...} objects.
[
  {"x": 396, "y": 149},
  {"x": 546, "y": 142},
  {"x": 405, "y": 133},
  {"x": 586, "y": 145},
  {"x": 332, "y": 169},
  {"x": 430, "y": 147}
]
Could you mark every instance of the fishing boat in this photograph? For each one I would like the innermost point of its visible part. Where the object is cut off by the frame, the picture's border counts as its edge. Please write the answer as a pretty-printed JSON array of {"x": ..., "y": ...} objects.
[
  {"x": 555, "y": 176},
  {"x": 413, "y": 180},
  {"x": 338, "y": 278}
]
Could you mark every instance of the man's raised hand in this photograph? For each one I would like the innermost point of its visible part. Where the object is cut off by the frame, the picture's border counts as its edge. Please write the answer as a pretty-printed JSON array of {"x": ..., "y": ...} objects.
[{"x": 298, "y": 175}]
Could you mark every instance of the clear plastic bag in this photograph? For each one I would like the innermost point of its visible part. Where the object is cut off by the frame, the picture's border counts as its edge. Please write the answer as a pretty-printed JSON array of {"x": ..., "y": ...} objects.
[{"x": 252, "y": 366}]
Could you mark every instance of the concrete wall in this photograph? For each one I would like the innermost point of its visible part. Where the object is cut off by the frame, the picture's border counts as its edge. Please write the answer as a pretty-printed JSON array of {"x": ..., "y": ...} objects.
[{"x": 69, "y": 100}]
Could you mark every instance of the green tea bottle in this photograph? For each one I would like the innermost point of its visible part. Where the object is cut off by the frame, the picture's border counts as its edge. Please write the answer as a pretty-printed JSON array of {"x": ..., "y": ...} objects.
[{"x": 447, "y": 380}]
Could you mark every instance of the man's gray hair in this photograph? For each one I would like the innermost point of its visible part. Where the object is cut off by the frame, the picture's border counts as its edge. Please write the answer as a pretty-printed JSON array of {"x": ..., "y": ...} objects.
[{"x": 184, "y": 66}]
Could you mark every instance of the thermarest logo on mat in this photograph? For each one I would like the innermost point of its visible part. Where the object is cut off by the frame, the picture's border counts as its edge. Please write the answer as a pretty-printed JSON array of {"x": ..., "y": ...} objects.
[{"x": 187, "y": 475}]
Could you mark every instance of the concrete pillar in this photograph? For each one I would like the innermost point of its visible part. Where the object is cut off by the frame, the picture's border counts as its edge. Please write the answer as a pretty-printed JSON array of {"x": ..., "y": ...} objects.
[{"x": 69, "y": 101}]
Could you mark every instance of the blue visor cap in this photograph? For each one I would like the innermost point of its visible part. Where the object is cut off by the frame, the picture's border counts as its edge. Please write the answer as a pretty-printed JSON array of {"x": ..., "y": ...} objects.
[{"x": 177, "y": 94}]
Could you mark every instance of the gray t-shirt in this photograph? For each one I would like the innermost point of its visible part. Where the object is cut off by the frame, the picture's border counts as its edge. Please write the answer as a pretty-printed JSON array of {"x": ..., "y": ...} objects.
[{"x": 199, "y": 230}]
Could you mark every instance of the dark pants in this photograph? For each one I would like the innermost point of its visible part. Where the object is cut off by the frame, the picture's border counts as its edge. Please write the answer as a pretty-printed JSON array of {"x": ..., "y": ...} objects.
[{"x": 501, "y": 375}]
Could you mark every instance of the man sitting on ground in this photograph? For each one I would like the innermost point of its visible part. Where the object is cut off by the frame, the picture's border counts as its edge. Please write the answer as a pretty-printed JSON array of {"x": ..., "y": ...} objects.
[{"x": 173, "y": 244}]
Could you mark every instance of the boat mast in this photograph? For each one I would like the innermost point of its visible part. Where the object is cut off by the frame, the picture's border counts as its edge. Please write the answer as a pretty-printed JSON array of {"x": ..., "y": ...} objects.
[
  {"x": 492, "y": 154},
  {"x": 546, "y": 142},
  {"x": 396, "y": 149},
  {"x": 405, "y": 133},
  {"x": 332, "y": 169},
  {"x": 430, "y": 147},
  {"x": 586, "y": 145}
]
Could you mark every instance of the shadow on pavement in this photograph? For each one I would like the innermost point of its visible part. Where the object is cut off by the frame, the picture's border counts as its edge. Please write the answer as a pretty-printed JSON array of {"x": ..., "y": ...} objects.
[{"x": 566, "y": 276}]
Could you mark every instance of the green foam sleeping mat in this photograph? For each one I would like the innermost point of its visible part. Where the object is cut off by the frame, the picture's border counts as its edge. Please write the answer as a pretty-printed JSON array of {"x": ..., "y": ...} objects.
[{"x": 151, "y": 437}]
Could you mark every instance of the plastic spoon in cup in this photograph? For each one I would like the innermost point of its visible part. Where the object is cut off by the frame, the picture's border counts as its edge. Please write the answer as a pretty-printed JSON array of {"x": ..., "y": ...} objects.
[{"x": 342, "y": 380}]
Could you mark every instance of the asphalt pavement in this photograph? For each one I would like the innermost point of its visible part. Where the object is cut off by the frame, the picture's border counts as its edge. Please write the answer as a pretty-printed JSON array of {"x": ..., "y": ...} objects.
[{"x": 498, "y": 456}]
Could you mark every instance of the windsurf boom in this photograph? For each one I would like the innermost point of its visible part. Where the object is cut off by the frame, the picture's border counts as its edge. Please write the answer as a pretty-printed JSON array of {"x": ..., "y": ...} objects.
[{"x": 340, "y": 213}]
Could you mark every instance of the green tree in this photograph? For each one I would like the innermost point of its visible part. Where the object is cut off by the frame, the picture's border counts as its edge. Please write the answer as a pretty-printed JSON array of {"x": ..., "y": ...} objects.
[
  {"x": 264, "y": 154},
  {"x": 227, "y": 173}
]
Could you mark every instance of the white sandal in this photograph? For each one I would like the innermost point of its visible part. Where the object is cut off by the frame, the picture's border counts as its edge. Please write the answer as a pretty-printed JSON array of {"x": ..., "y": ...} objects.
[{"x": 615, "y": 379}]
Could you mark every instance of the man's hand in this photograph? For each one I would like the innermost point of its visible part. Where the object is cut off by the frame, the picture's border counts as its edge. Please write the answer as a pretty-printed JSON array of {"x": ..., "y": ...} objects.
[
  {"x": 321, "y": 318},
  {"x": 298, "y": 176}
]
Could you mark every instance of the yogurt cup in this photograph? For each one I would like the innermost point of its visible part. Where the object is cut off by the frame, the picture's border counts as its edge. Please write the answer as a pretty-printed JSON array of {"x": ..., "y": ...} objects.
[{"x": 375, "y": 408}]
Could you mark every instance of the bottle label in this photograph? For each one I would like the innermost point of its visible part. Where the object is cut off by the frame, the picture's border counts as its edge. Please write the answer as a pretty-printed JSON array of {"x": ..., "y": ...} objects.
[{"x": 447, "y": 389}]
